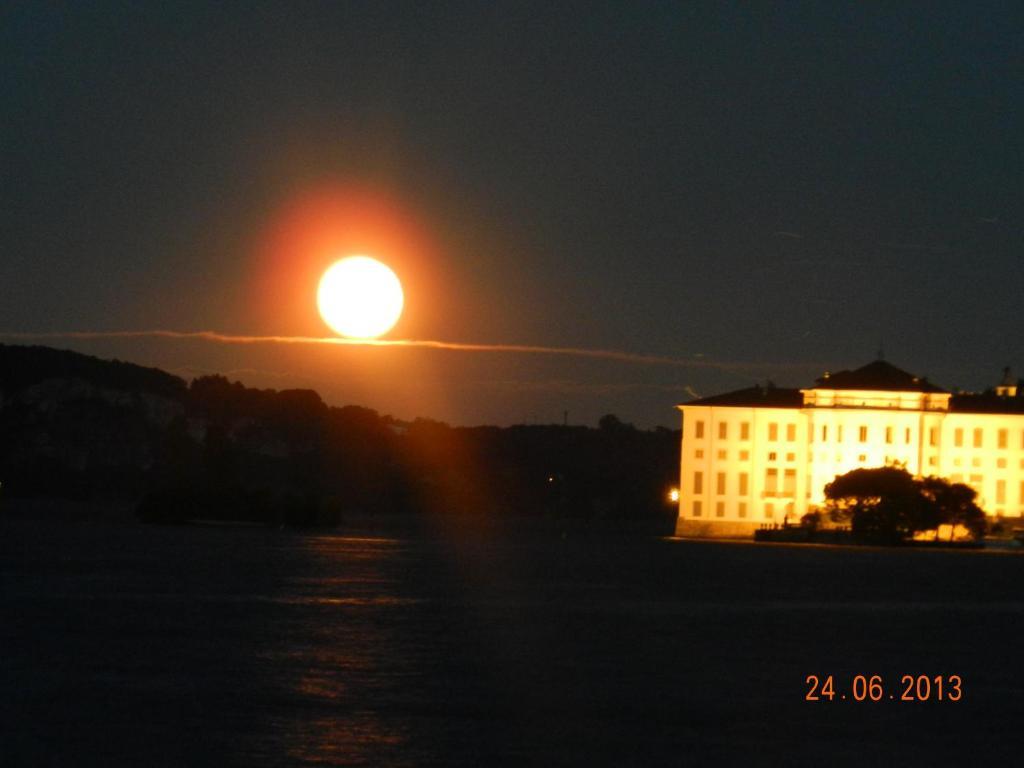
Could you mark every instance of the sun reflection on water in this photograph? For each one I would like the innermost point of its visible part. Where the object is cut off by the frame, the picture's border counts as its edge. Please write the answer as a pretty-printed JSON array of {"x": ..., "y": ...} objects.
[{"x": 341, "y": 657}]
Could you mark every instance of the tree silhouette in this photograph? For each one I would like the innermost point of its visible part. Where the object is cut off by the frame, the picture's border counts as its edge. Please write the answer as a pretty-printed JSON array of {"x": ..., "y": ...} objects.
[
  {"x": 888, "y": 504},
  {"x": 86, "y": 429}
]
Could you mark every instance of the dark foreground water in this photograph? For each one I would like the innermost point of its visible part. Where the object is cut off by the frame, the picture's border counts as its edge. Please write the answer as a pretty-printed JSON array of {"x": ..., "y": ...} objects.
[{"x": 133, "y": 645}]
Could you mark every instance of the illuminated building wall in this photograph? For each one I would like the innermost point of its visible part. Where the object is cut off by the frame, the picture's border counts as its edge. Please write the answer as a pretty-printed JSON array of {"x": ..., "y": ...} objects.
[{"x": 763, "y": 455}]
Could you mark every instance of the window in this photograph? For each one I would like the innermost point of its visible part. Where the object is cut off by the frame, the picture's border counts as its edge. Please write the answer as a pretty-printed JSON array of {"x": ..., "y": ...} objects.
[
  {"x": 932, "y": 461},
  {"x": 698, "y": 430},
  {"x": 742, "y": 511},
  {"x": 790, "y": 432},
  {"x": 699, "y": 453},
  {"x": 773, "y": 456},
  {"x": 696, "y": 509},
  {"x": 790, "y": 457},
  {"x": 975, "y": 462},
  {"x": 722, "y": 455},
  {"x": 906, "y": 436},
  {"x": 1001, "y": 438},
  {"x": 839, "y": 435},
  {"x": 771, "y": 482},
  {"x": 743, "y": 483},
  {"x": 888, "y": 434},
  {"x": 1001, "y": 463},
  {"x": 789, "y": 483},
  {"x": 977, "y": 438},
  {"x": 862, "y": 434},
  {"x": 957, "y": 462},
  {"x": 769, "y": 511},
  {"x": 723, "y": 430},
  {"x": 862, "y": 458},
  {"x": 824, "y": 432},
  {"x": 773, "y": 431},
  {"x": 933, "y": 436},
  {"x": 698, "y": 482},
  {"x": 958, "y": 437},
  {"x": 745, "y": 430},
  {"x": 744, "y": 455},
  {"x": 720, "y": 509},
  {"x": 1000, "y": 491},
  {"x": 720, "y": 483}
]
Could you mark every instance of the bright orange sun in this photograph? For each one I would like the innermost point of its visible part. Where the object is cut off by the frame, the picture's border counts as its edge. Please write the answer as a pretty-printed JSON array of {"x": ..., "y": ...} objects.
[{"x": 360, "y": 297}]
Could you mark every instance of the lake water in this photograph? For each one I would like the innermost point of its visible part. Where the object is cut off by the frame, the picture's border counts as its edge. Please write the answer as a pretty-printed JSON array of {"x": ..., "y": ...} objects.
[{"x": 135, "y": 645}]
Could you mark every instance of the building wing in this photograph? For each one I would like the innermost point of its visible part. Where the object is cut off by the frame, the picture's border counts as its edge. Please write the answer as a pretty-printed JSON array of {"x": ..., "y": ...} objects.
[{"x": 763, "y": 455}]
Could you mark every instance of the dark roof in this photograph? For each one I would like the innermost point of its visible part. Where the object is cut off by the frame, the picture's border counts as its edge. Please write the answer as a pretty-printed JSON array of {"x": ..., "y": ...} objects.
[
  {"x": 987, "y": 402},
  {"x": 755, "y": 397},
  {"x": 878, "y": 375}
]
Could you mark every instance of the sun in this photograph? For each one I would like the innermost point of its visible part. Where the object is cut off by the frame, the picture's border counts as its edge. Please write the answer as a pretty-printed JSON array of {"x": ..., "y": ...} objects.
[{"x": 360, "y": 297}]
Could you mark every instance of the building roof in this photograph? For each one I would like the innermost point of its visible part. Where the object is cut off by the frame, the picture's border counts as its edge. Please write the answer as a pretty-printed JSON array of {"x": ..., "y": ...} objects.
[
  {"x": 755, "y": 397},
  {"x": 878, "y": 375},
  {"x": 986, "y": 402}
]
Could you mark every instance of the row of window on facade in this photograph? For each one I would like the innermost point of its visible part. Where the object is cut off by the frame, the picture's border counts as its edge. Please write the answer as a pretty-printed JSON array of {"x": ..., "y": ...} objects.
[
  {"x": 977, "y": 481},
  {"x": 771, "y": 483},
  {"x": 787, "y": 488},
  {"x": 697, "y": 510},
  {"x": 932, "y": 461},
  {"x": 863, "y": 434}
]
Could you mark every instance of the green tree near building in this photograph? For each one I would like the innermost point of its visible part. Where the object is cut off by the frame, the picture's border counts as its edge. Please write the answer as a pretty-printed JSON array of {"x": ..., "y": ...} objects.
[{"x": 889, "y": 505}]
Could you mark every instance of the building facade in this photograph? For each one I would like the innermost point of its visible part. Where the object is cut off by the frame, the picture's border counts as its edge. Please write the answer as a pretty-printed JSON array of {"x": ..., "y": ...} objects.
[{"x": 763, "y": 455}]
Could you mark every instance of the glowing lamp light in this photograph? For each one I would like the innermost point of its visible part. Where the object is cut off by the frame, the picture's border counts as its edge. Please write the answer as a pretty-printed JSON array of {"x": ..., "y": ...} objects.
[{"x": 673, "y": 495}]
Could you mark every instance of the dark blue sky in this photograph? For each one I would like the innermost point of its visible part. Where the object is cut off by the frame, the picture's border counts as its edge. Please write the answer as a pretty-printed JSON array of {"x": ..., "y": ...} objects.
[{"x": 782, "y": 187}]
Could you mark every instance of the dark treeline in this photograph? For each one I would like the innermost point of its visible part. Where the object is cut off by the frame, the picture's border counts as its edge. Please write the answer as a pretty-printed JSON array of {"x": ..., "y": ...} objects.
[{"x": 84, "y": 429}]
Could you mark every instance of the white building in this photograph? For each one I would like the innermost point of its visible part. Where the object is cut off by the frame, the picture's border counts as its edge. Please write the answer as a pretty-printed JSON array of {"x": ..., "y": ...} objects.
[{"x": 763, "y": 455}]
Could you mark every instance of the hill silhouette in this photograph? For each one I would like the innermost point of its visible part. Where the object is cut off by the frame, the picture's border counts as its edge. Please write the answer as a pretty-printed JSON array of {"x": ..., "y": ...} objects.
[
  {"x": 21, "y": 367},
  {"x": 81, "y": 428}
]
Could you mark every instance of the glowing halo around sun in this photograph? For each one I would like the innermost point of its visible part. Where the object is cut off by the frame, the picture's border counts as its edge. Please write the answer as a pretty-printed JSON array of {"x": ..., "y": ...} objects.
[{"x": 360, "y": 297}]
